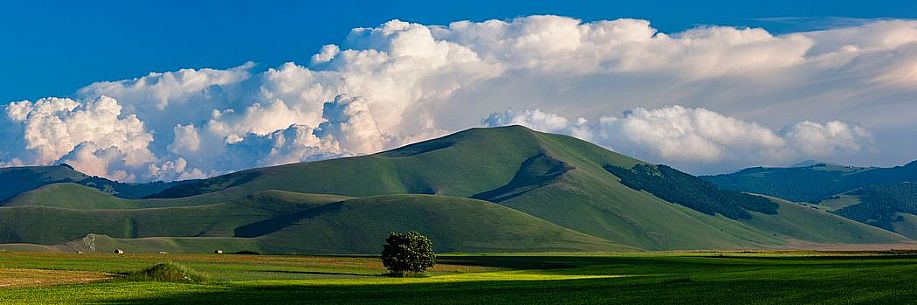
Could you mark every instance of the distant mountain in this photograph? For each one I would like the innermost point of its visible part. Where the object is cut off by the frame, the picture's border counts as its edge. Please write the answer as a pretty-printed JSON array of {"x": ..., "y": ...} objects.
[
  {"x": 808, "y": 163},
  {"x": 16, "y": 180},
  {"x": 506, "y": 189},
  {"x": 882, "y": 197},
  {"x": 813, "y": 183},
  {"x": 889, "y": 206}
]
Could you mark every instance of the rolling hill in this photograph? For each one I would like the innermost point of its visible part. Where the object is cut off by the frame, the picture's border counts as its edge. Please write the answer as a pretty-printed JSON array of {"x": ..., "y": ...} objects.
[
  {"x": 507, "y": 189},
  {"x": 286, "y": 222}
]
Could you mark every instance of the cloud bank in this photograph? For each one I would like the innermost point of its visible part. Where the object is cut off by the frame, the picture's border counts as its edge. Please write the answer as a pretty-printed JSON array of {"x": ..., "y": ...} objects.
[
  {"x": 697, "y": 138},
  {"x": 746, "y": 97}
]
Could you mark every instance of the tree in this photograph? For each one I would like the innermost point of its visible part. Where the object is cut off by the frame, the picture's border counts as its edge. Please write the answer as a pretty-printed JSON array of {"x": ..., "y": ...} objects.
[{"x": 407, "y": 253}]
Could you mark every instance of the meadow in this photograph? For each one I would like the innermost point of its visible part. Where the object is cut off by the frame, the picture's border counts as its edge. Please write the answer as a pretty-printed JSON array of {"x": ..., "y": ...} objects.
[{"x": 640, "y": 278}]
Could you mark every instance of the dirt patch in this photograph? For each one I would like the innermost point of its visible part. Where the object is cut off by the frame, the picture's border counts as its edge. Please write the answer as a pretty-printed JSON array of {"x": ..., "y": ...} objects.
[{"x": 15, "y": 278}]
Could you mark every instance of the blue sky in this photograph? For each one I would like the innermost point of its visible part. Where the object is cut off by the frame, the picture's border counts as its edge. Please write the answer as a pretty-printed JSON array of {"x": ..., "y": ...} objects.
[
  {"x": 52, "y": 48},
  {"x": 140, "y": 91}
]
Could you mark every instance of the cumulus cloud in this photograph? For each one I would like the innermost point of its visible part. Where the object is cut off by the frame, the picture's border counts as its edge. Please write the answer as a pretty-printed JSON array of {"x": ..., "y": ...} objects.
[
  {"x": 328, "y": 52},
  {"x": 93, "y": 135},
  {"x": 626, "y": 45},
  {"x": 349, "y": 121},
  {"x": 178, "y": 88},
  {"x": 186, "y": 140},
  {"x": 683, "y": 134},
  {"x": 293, "y": 144},
  {"x": 400, "y": 82},
  {"x": 833, "y": 137},
  {"x": 695, "y": 138},
  {"x": 542, "y": 121}
]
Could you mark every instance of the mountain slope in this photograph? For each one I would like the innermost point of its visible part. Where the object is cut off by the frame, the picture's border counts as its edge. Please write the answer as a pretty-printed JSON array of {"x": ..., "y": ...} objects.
[
  {"x": 456, "y": 224},
  {"x": 48, "y": 224},
  {"x": 806, "y": 222},
  {"x": 459, "y": 165}
]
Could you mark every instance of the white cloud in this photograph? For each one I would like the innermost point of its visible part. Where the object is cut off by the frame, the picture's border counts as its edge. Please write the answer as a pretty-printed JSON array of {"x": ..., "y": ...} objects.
[
  {"x": 177, "y": 170},
  {"x": 186, "y": 141},
  {"x": 542, "y": 121},
  {"x": 833, "y": 137},
  {"x": 402, "y": 82},
  {"x": 695, "y": 138},
  {"x": 299, "y": 143},
  {"x": 256, "y": 119},
  {"x": 349, "y": 122},
  {"x": 101, "y": 161},
  {"x": 328, "y": 52},
  {"x": 626, "y": 45},
  {"x": 682, "y": 134},
  {"x": 161, "y": 90},
  {"x": 93, "y": 135}
]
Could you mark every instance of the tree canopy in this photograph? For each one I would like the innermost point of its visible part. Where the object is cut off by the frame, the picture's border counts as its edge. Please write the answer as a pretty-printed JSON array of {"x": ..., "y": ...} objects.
[{"x": 407, "y": 253}]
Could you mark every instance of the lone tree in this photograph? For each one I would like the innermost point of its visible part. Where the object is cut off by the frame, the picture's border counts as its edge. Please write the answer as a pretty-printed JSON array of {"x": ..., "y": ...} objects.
[{"x": 407, "y": 253}]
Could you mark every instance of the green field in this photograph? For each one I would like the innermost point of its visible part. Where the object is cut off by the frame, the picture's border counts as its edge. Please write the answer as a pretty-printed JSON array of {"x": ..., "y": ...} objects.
[{"x": 658, "y": 278}]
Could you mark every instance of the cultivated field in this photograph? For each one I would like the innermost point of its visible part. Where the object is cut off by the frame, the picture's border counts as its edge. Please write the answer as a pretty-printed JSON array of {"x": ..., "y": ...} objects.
[{"x": 658, "y": 278}]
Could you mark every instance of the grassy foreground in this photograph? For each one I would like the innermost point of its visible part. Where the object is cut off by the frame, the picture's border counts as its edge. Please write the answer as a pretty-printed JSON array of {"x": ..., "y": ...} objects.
[{"x": 680, "y": 278}]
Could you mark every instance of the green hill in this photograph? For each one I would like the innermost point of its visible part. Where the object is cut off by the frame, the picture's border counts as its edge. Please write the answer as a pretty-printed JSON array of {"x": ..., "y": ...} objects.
[
  {"x": 285, "y": 222},
  {"x": 52, "y": 225},
  {"x": 79, "y": 197},
  {"x": 455, "y": 224},
  {"x": 480, "y": 190}
]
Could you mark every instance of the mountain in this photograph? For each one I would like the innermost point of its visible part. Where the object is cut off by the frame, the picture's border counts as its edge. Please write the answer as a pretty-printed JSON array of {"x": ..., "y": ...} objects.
[
  {"x": 808, "y": 163},
  {"x": 813, "y": 183},
  {"x": 22, "y": 179},
  {"x": 507, "y": 189},
  {"x": 882, "y": 197}
]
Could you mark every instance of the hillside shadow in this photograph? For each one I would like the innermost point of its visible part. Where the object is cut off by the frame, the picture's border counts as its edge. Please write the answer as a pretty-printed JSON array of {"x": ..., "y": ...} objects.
[
  {"x": 278, "y": 223},
  {"x": 199, "y": 187},
  {"x": 419, "y": 148},
  {"x": 535, "y": 172}
]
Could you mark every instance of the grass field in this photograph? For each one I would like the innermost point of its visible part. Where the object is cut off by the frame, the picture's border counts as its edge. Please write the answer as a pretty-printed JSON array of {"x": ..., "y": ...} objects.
[{"x": 658, "y": 278}]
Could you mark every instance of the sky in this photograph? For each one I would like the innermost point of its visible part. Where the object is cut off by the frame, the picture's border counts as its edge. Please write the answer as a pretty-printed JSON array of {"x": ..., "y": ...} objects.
[{"x": 140, "y": 91}]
